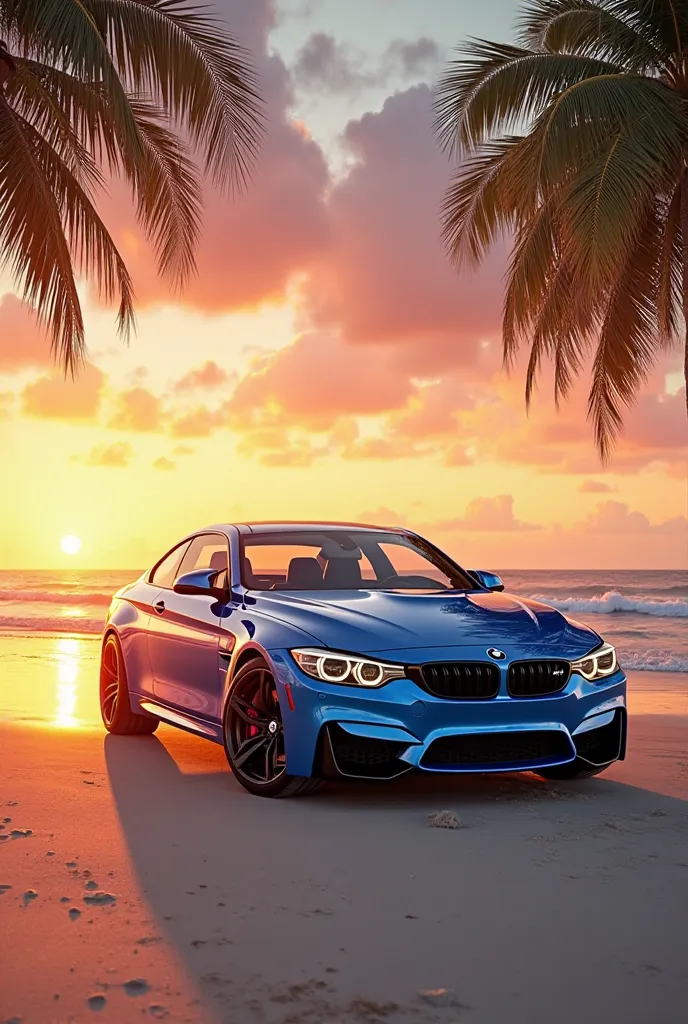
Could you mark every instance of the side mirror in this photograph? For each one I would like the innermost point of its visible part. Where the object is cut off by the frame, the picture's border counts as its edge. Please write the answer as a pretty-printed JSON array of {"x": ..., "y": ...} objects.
[
  {"x": 488, "y": 580},
  {"x": 202, "y": 581}
]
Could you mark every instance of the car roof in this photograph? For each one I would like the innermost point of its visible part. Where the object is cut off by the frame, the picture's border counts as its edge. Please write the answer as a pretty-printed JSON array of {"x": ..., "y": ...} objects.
[{"x": 284, "y": 525}]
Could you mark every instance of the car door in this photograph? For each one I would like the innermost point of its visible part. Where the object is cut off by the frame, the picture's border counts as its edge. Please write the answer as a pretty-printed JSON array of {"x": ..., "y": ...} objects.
[{"x": 184, "y": 635}]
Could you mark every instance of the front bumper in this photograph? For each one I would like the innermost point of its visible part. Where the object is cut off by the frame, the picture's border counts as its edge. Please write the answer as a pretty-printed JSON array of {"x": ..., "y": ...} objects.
[{"x": 380, "y": 733}]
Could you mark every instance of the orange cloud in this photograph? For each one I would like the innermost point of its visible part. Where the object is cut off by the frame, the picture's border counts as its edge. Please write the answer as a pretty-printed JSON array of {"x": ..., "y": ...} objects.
[
  {"x": 23, "y": 342},
  {"x": 137, "y": 409},
  {"x": 488, "y": 515},
  {"x": 114, "y": 455},
  {"x": 57, "y": 397},
  {"x": 595, "y": 487},
  {"x": 164, "y": 463},
  {"x": 615, "y": 517},
  {"x": 206, "y": 377},
  {"x": 200, "y": 422}
]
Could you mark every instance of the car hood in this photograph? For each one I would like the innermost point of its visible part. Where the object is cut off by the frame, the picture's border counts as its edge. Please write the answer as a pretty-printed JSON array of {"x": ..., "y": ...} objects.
[{"x": 368, "y": 621}]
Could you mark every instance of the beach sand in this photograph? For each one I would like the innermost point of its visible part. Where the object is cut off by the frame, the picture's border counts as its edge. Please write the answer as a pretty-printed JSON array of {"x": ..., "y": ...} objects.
[{"x": 138, "y": 881}]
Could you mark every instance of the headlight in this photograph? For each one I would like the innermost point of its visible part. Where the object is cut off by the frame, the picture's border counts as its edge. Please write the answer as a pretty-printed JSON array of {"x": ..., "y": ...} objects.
[
  {"x": 346, "y": 669},
  {"x": 602, "y": 662}
]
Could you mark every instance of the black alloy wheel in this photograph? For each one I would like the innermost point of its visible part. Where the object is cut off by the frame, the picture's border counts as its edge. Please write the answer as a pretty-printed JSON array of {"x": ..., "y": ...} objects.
[{"x": 254, "y": 735}]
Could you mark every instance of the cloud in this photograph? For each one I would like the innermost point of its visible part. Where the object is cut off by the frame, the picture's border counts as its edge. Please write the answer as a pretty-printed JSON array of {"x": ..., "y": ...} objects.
[
  {"x": 199, "y": 422},
  {"x": 204, "y": 378},
  {"x": 182, "y": 449},
  {"x": 595, "y": 487},
  {"x": 116, "y": 456},
  {"x": 383, "y": 516},
  {"x": 252, "y": 246},
  {"x": 54, "y": 396},
  {"x": 313, "y": 382},
  {"x": 488, "y": 515},
  {"x": 616, "y": 517},
  {"x": 137, "y": 409},
  {"x": 164, "y": 463},
  {"x": 323, "y": 63},
  {"x": 385, "y": 278},
  {"x": 23, "y": 342}
]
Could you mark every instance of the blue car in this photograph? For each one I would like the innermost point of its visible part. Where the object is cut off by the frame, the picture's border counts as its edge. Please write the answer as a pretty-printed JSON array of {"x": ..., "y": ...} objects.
[{"x": 339, "y": 651}]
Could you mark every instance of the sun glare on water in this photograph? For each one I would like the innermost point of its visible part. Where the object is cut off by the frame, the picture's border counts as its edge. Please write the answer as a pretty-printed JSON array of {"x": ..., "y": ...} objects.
[{"x": 70, "y": 545}]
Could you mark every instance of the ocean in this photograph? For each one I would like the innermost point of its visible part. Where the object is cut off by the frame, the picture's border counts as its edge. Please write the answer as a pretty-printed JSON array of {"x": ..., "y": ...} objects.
[{"x": 645, "y": 614}]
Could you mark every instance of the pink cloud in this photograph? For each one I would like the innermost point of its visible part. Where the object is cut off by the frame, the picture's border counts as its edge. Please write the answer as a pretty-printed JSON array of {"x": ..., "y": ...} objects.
[
  {"x": 57, "y": 397},
  {"x": 23, "y": 342},
  {"x": 205, "y": 378},
  {"x": 595, "y": 487},
  {"x": 137, "y": 409},
  {"x": 615, "y": 517},
  {"x": 488, "y": 515}
]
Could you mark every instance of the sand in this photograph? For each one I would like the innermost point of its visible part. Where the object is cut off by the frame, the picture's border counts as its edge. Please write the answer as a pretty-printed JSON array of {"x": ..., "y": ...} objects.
[{"x": 139, "y": 881}]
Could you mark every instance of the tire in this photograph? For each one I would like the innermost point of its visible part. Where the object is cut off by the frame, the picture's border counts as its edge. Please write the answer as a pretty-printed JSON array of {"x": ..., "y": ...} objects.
[
  {"x": 254, "y": 738},
  {"x": 115, "y": 708},
  {"x": 570, "y": 772}
]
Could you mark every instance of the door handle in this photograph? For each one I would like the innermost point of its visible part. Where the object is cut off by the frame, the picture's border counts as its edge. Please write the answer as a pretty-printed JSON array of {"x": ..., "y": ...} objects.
[{"x": 159, "y": 607}]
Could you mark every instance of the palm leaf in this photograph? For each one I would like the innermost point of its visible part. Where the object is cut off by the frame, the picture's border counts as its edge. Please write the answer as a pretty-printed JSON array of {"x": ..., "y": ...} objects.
[
  {"x": 670, "y": 290},
  {"x": 32, "y": 239},
  {"x": 627, "y": 349},
  {"x": 497, "y": 88},
  {"x": 183, "y": 58}
]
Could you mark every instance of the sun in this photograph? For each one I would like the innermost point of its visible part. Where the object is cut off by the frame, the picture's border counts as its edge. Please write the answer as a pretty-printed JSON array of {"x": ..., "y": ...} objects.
[{"x": 70, "y": 545}]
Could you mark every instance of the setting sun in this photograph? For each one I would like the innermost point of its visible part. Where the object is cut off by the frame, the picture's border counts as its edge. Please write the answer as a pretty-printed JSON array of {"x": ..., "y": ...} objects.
[{"x": 70, "y": 545}]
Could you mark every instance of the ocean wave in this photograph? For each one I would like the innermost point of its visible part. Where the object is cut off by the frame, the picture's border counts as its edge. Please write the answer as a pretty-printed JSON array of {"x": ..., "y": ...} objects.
[
  {"x": 652, "y": 661},
  {"x": 52, "y": 625},
  {"x": 55, "y": 597},
  {"x": 612, "y": 602}
]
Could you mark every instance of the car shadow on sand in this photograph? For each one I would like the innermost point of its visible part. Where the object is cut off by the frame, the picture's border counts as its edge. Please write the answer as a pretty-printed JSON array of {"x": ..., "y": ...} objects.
[{"x": 344, "y": 905}]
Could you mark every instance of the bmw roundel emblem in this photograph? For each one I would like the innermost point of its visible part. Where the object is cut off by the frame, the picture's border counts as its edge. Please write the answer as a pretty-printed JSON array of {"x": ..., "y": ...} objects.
[{"x": 494, "y": 652}]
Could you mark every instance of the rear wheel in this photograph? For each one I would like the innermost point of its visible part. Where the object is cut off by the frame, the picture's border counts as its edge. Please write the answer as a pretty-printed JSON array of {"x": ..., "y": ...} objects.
[
  {"x": 574, "y": 770},
  {"x": 115, "y": 708},
  {"x": 254, "y": 736}
]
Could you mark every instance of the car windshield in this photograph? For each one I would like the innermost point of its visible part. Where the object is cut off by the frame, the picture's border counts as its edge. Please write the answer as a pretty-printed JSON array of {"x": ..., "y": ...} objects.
[{"x": 321, "y": 559}]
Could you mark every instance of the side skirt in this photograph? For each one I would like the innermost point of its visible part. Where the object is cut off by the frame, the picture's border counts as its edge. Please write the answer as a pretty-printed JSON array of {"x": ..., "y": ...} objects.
[{"x": 180, "y": 720}]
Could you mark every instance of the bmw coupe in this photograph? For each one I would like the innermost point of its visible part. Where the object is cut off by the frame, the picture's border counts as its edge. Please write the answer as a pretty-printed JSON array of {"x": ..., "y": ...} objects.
[{"x": 339, "y": 651}]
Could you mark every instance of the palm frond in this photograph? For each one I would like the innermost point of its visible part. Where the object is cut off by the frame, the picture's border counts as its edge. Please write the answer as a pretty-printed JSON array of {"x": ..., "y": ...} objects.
[
  {"x": 627, "y": 347},
  {"x": 663, "y": 21},
  {"x": 68, "y": 35},
  {"x": 496, "y": 88},
  {"x": 32, "y": 239},
  {"x": 670, "y": 290},
  {"x": 586, "y": 27},
  {"x": 474, "y": 211},
  {"x": 183, "y": 58},
  {"x": 169, "y": 195}
]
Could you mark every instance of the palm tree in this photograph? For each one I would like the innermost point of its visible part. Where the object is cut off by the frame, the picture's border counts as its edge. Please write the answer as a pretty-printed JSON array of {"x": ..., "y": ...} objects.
[
  {"x": 575, "y": 145},
  {"x": 91, "y": 88}
]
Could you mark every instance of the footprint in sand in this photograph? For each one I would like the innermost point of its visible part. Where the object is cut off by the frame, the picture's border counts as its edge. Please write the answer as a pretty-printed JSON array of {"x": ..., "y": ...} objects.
[
  {"x": 4, "y": 889},
  {"x": 29, "y": 896},
  {"x": 74, "y": 913},
  {"x": 159, "y": 1012},
  {"x": 136, "y": 987},
  {"x": 20, "y": 833},
  {"x": 96, "y": 1002},
  {"x": 90, "y": 885},
  {"x": 100, "y": 899}
]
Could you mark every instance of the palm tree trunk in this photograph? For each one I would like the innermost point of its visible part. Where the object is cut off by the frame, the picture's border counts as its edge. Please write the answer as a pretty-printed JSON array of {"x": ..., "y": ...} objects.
[{"x": 684, "y": 231}]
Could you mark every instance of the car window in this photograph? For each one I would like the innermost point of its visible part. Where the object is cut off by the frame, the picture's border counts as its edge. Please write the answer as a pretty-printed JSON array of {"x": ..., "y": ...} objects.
[
  {"x": 407, "y": 561},
  {"x": 165, "y": 572},
  {"x": 318, "y": 559},
  {"x": 207, "y": 551}
]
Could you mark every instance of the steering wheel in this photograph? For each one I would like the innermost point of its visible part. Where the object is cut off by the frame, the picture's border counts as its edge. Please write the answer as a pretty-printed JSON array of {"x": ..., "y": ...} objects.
[{"x": 413, "y": 583}]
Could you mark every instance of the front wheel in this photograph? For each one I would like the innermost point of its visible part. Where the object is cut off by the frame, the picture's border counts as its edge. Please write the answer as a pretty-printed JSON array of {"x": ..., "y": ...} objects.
[
  {"x": 254, "y": 735},
  {"x": 575, "y": 770}
]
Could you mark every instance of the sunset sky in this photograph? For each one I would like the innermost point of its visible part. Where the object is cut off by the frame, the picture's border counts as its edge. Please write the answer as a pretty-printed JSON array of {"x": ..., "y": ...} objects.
[{"x": 327, "y": 361}]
